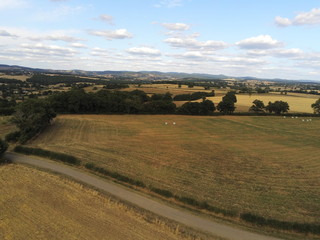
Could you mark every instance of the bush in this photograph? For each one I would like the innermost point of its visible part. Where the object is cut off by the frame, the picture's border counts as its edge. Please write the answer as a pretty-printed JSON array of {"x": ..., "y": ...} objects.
[
  {"x": 48, "y": 154},
  {"x": 162, "y": 192},
  {"x": 283, "y": 225},
  {"x": 13, "y": 136},
  {"x": 3, "y": 149},
  {"x": 115, "y": 175}
]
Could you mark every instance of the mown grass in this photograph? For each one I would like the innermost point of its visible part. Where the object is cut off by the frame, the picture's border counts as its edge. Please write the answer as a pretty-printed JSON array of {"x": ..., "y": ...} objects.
[
  {"x": 268, "y": 166},
  {"x": 40, "y": 205}
]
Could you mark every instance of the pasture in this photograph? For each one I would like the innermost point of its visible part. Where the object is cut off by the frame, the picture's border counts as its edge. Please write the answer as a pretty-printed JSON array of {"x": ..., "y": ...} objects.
[
  {"x": 264, "y": 165},
  {"x": 39, "y": 205}
]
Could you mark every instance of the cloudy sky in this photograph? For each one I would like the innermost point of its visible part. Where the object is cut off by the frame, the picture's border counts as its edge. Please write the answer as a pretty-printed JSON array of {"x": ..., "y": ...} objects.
[{"x": 267, "y": 39}]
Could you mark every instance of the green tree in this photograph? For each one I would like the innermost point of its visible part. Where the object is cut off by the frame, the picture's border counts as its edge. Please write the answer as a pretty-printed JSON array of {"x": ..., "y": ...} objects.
[
  {"x": 230, "y": 96},
  {"x": 227, "y": 106},
  {"x": 258, "y": 106},
  {"x": 278, "y": 107},
  {"x": 195, "y": 108},
  {"x": 316, "y": 106},
  {"x": 31, "y": 117}
]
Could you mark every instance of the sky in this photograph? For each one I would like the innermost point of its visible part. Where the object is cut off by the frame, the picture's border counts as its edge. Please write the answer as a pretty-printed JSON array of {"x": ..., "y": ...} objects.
[{"x": 265, "y": 39}]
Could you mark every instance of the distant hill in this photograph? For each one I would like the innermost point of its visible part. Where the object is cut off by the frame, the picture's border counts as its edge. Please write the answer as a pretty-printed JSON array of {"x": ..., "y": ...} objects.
[{"x": 152, "y": 75}]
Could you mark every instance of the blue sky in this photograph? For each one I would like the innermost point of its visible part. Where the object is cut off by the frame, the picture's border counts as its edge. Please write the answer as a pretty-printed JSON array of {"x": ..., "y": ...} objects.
[{"x": 267, "y": 39}]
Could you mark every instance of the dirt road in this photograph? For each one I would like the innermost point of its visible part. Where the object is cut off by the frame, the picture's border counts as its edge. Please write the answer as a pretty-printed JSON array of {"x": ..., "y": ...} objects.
[{"x": 181, "y": 216}]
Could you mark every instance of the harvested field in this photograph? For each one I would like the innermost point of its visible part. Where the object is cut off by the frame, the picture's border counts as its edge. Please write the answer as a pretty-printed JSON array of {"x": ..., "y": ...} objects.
[
  {"x": 39, "y": 205},
  {"x": 264, "y": 165},
  {"x": 298, "y": 103}
]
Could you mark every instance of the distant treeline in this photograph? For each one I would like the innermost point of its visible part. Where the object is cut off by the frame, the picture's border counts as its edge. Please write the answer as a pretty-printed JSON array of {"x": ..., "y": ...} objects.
[
  {"x": 193, "y": 96},
  {"x": 133, "y": 102},
  {"x": 6, "y": 107},
  {"x": 57, "y": 79},
  {"x": 304, "y": 91},
  {"x": 10, "y": 81}
]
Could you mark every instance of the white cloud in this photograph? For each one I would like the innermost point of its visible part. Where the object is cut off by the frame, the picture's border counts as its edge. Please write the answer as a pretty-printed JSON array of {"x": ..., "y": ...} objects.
[
  {"x": 176, "y": 26},
  {"x": 289, "y": 53},
  {"x": 305, "y": 18},
  {"x": 259, "y": 42},
  {"x": 9, "y": 4},
  {"x": 144, "y": 51},
  {"x": 106, "y": 18},
  {"x": 48, "y": 49},
  {"x": 116, "y": 34},
  {"x": 312, "y": 17},
  {"x": 192, "y": 43},
  {"x": 63, "y": 38},
  {"x": 169, "y": 3},
  {"x": 282, "y": 22},
  {"x": 4, "y": 33},
  {"x": 78, "y": 45},
  {"x": 292, "y": 53}
]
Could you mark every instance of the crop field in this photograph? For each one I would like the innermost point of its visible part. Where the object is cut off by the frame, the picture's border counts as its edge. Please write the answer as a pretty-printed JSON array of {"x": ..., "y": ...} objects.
[
  {"x": 298, "y": 103},
  {"x": 5, "y": 126},
  {"x": 268, "y": 166},
  {"x": 39, "y": 205}
]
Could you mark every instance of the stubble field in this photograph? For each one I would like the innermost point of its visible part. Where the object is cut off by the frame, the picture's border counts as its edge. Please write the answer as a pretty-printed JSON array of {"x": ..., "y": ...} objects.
[
  {"x": 39, "y": 205},
  {"x": 264, "y": 165}
]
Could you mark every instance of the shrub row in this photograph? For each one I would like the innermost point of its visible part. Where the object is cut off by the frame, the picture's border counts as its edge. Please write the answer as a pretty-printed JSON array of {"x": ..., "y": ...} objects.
[
  {"x": 283, "y": 225},
  {"x": 48, "y": 154},
  {"x": 115, "y": 175},
  {"x": 162, "y": 192},
  {"x": 206, "y": 206},
  {"x": 13, "y": 136}
]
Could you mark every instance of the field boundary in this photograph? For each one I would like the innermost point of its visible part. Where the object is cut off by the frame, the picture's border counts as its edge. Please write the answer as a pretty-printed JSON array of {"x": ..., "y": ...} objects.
[{"x": 305, "y": 228}]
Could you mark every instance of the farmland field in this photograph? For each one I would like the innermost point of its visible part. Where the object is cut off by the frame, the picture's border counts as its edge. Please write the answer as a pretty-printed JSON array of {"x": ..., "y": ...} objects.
[
  {"x": 39, "y": 205},
  {"x": 298, "y": 103},
  {"x": 264, "y": 165}
]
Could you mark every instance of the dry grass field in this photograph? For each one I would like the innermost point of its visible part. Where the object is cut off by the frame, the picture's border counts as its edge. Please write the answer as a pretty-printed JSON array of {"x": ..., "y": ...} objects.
[
  {"x": 39, "y": 205},
  {"x": 18, "y": 77},
  {"x": 264, "y": 165},
  {"x": 298, "y": 103}
]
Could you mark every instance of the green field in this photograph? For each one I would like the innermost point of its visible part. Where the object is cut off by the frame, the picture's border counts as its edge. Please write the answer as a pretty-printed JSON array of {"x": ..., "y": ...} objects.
[{"x": 269, "y": 166}]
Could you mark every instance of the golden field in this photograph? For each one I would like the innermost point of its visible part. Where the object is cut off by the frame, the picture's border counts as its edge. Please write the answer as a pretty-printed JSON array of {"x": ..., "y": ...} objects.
[
  {"x": 40, "y": 205},
  {"x": 298, "y": 103},
  {"x": 264, "y": 165}
]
